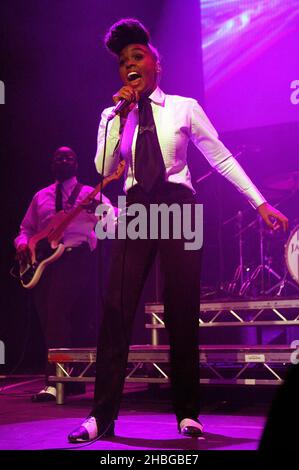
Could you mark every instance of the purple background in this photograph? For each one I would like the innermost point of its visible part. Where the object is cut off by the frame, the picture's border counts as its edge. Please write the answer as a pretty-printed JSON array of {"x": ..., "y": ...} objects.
[
  {"x": 58, "y": 77},
  {"x": 250, "y": 59}
]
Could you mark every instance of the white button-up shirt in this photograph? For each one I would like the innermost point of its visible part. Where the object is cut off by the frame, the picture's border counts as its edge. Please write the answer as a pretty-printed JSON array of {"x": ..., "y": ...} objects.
[
  {"x": 178, "y": 120},
  {"x": 42, "y": 209}
]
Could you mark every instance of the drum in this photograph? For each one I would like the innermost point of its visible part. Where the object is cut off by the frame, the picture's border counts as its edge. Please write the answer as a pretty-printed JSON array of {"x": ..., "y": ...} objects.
[{"x": 292, "y": 254}]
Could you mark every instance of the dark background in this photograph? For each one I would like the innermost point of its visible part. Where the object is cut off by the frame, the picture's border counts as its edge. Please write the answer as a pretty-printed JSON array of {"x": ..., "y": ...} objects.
[{"x": 58, "y": 77}]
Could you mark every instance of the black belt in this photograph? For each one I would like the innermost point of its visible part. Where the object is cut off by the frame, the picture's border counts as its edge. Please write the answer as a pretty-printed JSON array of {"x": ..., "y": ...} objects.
[{"x": 137, "y": 194}]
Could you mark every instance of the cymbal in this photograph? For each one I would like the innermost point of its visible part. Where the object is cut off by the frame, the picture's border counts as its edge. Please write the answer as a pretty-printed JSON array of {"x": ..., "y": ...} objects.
[{"x": 286, "y": 182}]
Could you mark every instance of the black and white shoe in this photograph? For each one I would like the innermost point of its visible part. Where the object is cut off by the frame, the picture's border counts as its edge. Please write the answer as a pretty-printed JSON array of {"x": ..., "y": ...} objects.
[
  {"x": 89, "y": 430},
  {"x": 46, "y": 394},
  {"x": 190, "y": 427}
]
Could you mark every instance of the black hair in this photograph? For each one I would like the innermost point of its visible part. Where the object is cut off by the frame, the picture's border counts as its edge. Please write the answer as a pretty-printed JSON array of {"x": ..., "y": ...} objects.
[{"x": 128, "y": 31}]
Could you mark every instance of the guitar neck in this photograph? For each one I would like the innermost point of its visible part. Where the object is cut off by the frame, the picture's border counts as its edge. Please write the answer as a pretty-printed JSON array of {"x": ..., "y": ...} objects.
[
  {"x": 74, "y": 212},
  {"x": 69, "y": 216},
  {"x": 57, "y": 233}
]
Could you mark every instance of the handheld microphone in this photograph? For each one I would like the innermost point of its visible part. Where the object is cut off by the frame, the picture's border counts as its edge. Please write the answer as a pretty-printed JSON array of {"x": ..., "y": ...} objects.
[
  {"x": 118, "y": 108},
  {"x": 122, "y": 104}
]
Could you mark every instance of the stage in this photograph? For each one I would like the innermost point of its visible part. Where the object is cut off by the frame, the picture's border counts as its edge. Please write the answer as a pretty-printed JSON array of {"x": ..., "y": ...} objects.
[
  {"x": 238, "y": 383},
  {"x": 146, "y": 421},
  {"x": 219, "y": 84}
]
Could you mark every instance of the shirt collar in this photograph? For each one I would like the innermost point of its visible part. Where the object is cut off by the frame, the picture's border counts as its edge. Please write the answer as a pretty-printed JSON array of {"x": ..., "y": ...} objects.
[
  {"x": 68, "y": 184},
  {"x": 158, "y": 96}
]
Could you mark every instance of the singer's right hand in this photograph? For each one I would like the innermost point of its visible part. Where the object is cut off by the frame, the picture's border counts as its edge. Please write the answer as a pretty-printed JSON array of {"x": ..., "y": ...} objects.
[{"x": 126, "y": 93}]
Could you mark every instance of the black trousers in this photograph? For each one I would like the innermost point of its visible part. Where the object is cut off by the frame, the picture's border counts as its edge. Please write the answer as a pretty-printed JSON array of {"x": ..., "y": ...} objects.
[
  {"x": 66, "y": 300},
  {"x": 130, "y": 265}
]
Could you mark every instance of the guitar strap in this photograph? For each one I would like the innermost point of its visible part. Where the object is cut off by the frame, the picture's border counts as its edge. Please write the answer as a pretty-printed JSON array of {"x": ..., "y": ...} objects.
[{"x": 73, "y": 196}]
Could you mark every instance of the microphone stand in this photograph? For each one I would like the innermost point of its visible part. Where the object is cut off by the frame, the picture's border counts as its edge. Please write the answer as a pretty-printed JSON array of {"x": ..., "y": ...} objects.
[
  {"x": 239, "y": 272},
  {"x": 241, "y": 246},
  {"x": 219, "y": 237}
]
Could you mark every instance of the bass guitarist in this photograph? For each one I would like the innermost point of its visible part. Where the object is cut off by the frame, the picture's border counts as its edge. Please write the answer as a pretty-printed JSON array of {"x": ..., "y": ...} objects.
[{"x": 65, "y": 295}]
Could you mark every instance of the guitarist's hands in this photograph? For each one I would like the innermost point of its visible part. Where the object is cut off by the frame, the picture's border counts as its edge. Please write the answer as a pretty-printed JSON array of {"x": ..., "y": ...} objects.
[
  {"x": 23, "y": 254},
  {"x": 91, "y": 206}
]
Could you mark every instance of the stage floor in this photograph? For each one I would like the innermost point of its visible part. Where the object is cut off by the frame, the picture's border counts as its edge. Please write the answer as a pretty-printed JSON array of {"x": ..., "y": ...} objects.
[{"x": 145, "y": 421}]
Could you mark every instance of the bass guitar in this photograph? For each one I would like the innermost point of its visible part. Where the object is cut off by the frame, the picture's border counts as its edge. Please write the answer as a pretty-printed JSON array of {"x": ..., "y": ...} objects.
[{"x": 46, "y": 246}]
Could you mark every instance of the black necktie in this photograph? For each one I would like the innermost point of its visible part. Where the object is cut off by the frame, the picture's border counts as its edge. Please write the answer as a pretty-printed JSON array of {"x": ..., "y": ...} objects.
[
  {"x": 58, "y": 199},
  {"x": 149, "y": 163}
]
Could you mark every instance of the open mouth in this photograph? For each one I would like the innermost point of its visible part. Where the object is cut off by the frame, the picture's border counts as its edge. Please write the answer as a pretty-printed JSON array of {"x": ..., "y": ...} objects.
[{"x": 133, "y": 76}]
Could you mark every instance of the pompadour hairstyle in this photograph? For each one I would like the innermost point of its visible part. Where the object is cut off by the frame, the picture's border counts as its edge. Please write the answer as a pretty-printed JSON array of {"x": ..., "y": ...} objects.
[{"x": 124, "y": 32}]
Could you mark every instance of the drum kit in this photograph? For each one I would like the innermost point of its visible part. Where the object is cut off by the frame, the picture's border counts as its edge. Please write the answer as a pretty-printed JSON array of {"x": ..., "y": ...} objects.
[{"x": 275, "y": 250}]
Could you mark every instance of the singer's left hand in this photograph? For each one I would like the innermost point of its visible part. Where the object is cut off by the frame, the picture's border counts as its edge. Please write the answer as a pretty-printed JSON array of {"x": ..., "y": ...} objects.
[{"x": 273, "y": 217}]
